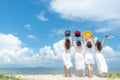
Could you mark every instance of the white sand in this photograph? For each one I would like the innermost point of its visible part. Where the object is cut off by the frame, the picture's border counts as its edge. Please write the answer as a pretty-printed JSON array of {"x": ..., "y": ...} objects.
[{"x": 59, "y": 77}]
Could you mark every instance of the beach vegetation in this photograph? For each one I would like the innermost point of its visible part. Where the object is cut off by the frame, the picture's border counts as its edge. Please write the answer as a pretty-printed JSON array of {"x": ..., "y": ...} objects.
[
  {"x": 114, "y": 76},
  {"x": 8, "y": 77}
]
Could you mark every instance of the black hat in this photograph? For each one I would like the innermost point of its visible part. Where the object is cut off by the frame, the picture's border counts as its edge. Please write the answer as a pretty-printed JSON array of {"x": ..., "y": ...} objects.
[{"x": 67, "y": 33}]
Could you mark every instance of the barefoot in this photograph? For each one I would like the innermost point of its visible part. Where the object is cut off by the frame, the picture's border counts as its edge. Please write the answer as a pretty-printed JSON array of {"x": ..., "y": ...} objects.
[
  {"x": 83, "y": 75},
  {"x": 76, "y": 75},
  {"x": 91, "y": 76},
  {"x": 69, "y": 76},
  {"x": 65, "y": 75}
]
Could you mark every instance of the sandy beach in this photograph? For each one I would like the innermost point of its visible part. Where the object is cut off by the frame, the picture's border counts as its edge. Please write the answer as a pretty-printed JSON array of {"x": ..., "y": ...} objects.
[{"x": 59, "y": 77}]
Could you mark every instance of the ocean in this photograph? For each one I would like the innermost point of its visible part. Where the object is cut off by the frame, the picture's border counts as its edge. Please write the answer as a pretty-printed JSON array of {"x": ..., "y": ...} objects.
[{"x": 44, "y": 71}]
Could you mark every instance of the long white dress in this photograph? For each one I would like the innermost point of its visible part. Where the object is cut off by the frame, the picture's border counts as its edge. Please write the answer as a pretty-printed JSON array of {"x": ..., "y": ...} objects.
[
  {"x": 89, "y": 59},
  {"x": 67, "y": 59},
  {"x": 79, "y": 59},
  {"x": 101, "y": 63}
]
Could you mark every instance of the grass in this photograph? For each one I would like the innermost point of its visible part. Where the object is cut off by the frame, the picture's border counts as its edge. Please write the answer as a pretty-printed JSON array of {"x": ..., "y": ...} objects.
[
  {"x": 114, "y": 76},
  {"x": 8, "y": 77}
]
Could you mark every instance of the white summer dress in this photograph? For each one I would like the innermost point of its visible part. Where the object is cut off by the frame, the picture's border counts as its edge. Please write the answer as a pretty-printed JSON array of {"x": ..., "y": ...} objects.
[
  {"x": 79, "y": 59},
  {"x": 101, "y": 63},
  {"x": 88, "y": 56},
  {"x": 67, "y": 58}
]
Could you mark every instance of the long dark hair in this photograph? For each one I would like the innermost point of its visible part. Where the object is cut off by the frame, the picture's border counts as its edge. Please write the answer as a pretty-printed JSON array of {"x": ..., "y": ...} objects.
[
  {"x": 98, "y": 45},
  {"x": 78, "y": 43},
  {"x": 89, "y": 45},
  {"x": 67, "y": 44}
]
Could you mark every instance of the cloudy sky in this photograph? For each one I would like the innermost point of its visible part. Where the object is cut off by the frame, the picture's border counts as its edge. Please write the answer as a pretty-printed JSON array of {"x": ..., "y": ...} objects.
[{"x": 31, "y": 30}]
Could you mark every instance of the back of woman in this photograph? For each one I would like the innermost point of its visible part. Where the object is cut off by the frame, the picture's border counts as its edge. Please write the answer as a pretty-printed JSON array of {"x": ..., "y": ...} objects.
[
  {"x": 67, "y": 56},
  {"x": 88, "y": 53},
  {"x": 89, "y": 60},
  {"x": 79, "y": 59},
  {"x": 78, "y": 46},
  {"x": 101, "y": 62}
]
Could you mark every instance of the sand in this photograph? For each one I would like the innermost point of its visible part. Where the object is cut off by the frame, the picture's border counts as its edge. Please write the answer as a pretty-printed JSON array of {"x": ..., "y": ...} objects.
[{"x": 60, "y": 77}]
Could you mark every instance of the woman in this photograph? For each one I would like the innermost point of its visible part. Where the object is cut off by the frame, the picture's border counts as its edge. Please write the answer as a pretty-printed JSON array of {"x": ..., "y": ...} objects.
[
  {"x": 89, "y": 60},
  {"x": 67, "y": 56},
  {"x": 101, "y": 62},
  {"x": 79, "y": 59}
]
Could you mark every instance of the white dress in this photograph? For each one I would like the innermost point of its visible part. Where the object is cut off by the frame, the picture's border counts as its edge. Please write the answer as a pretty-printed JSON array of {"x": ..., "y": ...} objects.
[
  {"x": 101, "y": 63},
  {"x": 89, "y": 56},
  {"x": 79, "y": 59},
  {"x": 67, "y": 59}
]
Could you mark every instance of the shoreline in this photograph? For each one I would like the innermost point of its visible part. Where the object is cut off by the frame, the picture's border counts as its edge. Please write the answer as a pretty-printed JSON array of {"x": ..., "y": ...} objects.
[{"x": 48, "y": 71}]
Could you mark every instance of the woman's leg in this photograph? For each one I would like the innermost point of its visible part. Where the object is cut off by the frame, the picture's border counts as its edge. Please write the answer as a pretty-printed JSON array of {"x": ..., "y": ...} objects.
[
  {"x": 77, "y": 71},
  {"x": 83, "y": 72},
  {"x": 65, "y": 71},
  {"x": 69, "y": 72},
  {"x": 90, "y": 67},
  {"x": 89, "y": 70}
]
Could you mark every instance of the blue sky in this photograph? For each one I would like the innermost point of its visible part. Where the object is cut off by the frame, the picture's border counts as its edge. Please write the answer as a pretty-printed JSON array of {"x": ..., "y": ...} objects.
[{"x": 34, "y": 29}]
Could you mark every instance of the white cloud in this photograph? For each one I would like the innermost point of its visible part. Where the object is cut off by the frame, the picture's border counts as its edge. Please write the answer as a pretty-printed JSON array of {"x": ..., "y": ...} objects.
[
  {"x": 58, "y": 31},
  {"x": 110, "y": 54},
  {"x": 10, "y": 48},
  {"x": 42, "y": 17},
  {"x": 47, "y": 53},
  {"x": 103, "y": 30},
  {"x": 11, "y": 51},
  {"x": 9, "y": 40},
  {"x": 58, "y": 48},
  {"x": 31, "y": 36},
  {"x": 107, "y": 28},
  {"x": 96, "y": 10},
  {"x": 105, "y": 12},
  {"x": 28, "y": 26}
]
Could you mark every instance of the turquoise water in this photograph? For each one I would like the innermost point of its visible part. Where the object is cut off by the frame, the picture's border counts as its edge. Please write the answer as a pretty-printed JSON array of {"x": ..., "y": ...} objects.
[{"x": 42, "y": 71}]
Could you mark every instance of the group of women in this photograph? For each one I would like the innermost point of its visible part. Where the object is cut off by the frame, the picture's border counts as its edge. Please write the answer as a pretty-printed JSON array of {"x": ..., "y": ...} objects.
[{"x": 84, "y": 46}]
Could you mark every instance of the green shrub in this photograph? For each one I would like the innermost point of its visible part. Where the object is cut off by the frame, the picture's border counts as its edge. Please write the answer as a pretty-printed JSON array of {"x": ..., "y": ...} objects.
[
  {"x": 115, "y": 76},
  {"x": 8, "y": 77}
]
